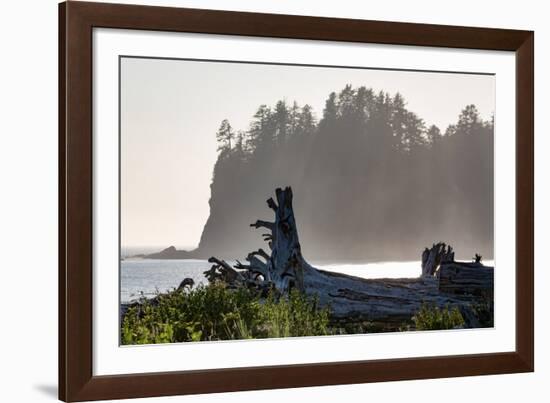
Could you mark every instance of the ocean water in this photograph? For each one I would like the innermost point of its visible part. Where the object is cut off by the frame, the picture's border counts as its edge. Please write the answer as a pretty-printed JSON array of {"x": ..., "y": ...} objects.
[{"x": 148, "y": 276}]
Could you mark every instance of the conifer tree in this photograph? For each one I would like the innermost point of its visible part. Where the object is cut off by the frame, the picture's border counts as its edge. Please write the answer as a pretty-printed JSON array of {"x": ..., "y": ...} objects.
[{"x": 224, "y": 136}]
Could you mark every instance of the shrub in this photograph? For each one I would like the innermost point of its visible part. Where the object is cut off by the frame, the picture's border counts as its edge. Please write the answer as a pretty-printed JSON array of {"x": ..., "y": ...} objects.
[
  {"x": 215, "y": 312},
  {"x": 434, "y": 318},
  {"x": 293, "y": 316},
  {"x": 484, "y": 312}
]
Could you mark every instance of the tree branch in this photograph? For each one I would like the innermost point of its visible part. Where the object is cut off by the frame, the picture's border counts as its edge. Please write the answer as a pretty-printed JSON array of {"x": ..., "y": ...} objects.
[
  {"x": 266, "y": 224},
  {"x": 271, "y": 204}
]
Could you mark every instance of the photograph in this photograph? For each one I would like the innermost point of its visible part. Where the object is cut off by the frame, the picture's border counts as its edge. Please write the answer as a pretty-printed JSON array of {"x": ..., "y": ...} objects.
[
  {"x": 282, "y": 200},
  {"x": 265, "y": 200}
]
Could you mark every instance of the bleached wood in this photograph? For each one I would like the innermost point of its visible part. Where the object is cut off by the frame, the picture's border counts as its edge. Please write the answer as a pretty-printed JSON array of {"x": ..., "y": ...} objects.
[{"x": 443, "y": 282}]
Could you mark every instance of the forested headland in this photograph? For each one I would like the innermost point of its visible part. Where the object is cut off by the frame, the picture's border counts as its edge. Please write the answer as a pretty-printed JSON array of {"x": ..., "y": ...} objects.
[{"x": 373, "y": 180}]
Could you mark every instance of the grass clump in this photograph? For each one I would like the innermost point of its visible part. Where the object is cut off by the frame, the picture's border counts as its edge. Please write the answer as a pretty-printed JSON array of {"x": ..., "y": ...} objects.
[
  {"x": 214, "y": 312},
  {"x": 293, "y": 316},
  {"x": 434, "y": 318}
]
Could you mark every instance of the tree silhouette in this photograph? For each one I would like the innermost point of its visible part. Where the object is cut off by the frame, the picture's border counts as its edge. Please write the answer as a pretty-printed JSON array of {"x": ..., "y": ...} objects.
[
  {"x": 224, "y": 136},
  {"x": 281, "y": 122},
  {"x": 469, "y": 121},
  {"x": 260, "y": 133},
  {"x": 307, "y": 122},
  {"x": 375, "y": 181},
  {"x": 433, "y": 135}
]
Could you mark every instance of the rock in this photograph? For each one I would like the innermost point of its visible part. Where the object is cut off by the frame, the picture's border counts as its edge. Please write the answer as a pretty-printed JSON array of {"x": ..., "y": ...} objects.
[
  {"x": 171, "y": 253},
  {"x": 187, "y": 282}
]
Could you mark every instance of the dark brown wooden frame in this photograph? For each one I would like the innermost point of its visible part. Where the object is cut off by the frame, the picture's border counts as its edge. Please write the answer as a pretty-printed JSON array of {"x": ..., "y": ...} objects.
[{"x": 76, "y": 22}]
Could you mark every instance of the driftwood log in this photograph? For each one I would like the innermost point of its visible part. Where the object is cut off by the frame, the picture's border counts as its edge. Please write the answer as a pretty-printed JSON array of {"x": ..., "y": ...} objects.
[{"x": 391, "y": 302}]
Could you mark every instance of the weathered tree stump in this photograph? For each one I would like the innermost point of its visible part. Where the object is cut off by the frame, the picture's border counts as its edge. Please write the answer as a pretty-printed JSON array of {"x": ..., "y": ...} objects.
[
  {"x": 443, "y": 282},
  {"x": 434, "y": 257}
]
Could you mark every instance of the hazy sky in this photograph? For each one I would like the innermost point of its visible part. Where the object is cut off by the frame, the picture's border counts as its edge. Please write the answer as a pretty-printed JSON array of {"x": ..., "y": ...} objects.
[{"x": 171, "y": 110}]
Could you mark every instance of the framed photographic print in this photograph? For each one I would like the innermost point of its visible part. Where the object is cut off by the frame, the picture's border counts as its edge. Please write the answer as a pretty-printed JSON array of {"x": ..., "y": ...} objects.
[{"x": 252, "y": 201}]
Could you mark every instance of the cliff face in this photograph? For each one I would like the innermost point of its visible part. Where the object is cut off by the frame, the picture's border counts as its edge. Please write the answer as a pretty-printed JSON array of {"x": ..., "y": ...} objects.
[{"x": 372, "y": 181}]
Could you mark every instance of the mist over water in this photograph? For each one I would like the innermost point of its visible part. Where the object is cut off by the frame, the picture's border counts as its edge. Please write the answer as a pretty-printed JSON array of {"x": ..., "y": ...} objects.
[
  {"x": 149, "y": 275},
  {"x": 171, "y": 110},
  {"x": 371, "y": 181}
]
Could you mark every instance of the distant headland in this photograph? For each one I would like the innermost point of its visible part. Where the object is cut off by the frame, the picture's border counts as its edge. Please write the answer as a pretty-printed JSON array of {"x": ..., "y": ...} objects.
[{"x": 169, "y": 253}]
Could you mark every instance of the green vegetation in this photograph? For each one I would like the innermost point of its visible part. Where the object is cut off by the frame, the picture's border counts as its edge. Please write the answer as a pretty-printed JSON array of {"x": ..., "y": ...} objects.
[
  {"x": 434, "y": 318},
  {"x": 484, "y": 313},
  {"x": 215, "y": 312}
]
